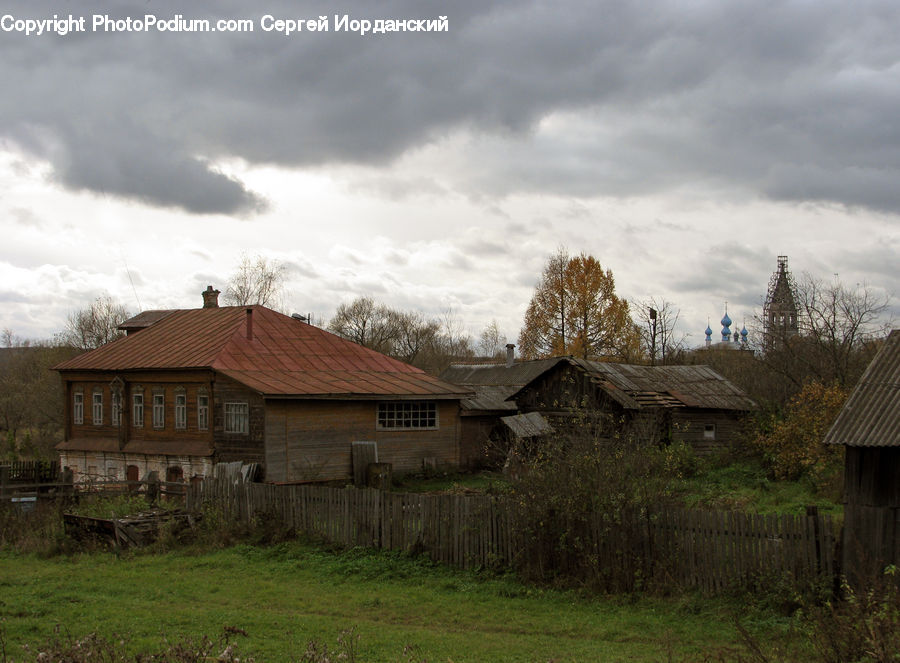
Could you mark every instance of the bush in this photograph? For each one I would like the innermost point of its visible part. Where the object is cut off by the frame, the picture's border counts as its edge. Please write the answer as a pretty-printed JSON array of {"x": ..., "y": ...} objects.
[
  {"x": 792, "y": 446},
  {"x": 580, "y": 496}
]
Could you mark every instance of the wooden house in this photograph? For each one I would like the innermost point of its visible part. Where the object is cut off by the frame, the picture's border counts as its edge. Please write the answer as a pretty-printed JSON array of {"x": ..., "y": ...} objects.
[
  {"x": 191, "y": 388},
  {"x": 693, "y": 404},
  {"x": 486, "y": 414},
  {"x": 869, "y": 428},
  {"x": 658, "y": 403}
]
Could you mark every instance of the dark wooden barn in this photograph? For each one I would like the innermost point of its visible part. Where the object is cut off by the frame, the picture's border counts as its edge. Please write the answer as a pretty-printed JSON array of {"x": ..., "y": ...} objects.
[
  {"x": 869, "y": 428},
  {"x": 693, "y": 404}
]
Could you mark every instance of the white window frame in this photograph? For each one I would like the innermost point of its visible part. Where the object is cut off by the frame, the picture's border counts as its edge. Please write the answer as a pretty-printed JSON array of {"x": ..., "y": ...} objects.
[
  {"x": 78, "y": 408},
  {"x": 159, "y": 410},
  {"x": 237, "y": 418},
  {"x": 709, "y": 432},
  {"x": 180, "y": 410},
  {"x": 97, "y": 408},
  {"x": 407, "y": 415},
  {"x": 203, "y": 411},
  {"x": 137, "y": 409},
  {"x": 116, "y": 408}
]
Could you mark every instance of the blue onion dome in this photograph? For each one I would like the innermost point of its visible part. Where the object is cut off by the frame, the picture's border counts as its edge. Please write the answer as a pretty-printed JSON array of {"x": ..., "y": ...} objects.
[
  {"x": 744, "y": 332},
  {"x": 708, "y": 331},
  {"x": 726, "y": 321}
]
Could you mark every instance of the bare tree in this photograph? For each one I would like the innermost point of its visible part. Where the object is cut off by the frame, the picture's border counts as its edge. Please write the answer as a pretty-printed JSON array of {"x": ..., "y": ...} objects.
[
  {"x": 837, "y": 333},
  {"x": 415, "y": 336},
  {"x": 368, "y": 323},
  {"x": 95, "y": 325},
  {"x": 658, "y": 322},
  {"x": 256, "y": 281},
  {"x": 492, "y": 341}
]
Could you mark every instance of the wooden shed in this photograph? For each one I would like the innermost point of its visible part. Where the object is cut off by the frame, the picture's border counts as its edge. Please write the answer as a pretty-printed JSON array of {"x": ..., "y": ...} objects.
[
  {"x": 869, "y": 428},
  {"x": 693, "y": 404}
]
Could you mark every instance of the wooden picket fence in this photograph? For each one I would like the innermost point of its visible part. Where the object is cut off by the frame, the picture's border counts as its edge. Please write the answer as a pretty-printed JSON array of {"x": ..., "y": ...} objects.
[{"x": 711, "y": 551}]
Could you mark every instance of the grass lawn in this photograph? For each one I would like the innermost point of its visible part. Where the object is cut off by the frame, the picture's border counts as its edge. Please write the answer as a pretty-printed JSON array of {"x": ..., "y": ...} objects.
[
  {"x": 737, "y": 484},
  {"x": 286, "y": 595}
]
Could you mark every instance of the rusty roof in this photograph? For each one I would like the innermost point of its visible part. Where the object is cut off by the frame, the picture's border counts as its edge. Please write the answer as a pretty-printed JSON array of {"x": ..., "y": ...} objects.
[
  {"x": 144, "y": 319},
  {"x": 871, "y": 416},
  {"x": 283, "y": 357}
]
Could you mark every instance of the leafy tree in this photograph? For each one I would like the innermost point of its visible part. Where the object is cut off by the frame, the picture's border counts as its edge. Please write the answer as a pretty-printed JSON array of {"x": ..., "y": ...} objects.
[
  {"x": 792, "y": 445},
  {"x": 95, "y": 325},
  {"x": 256, "y": 281},
  {"x": 575, "y": 311}
]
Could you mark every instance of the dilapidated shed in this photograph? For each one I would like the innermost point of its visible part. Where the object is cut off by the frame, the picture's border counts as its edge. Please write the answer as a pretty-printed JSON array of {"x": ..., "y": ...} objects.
[
  {"x": 482, "y": 414},
  {"x": 869, "y": 428},
  {"x": 656, "y": 403}
]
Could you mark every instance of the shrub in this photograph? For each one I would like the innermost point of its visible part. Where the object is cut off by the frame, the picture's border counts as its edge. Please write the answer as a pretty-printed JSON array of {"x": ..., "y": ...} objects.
[{"x": 792, "y": 446}]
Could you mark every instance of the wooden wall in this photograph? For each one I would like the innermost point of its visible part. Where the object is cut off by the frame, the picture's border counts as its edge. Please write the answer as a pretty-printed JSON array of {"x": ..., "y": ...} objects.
[
  {"x": 170, "y": 381},
  {"x": 871, "y": 511},
  {"x": 250, "y": 447},
  {"x": 311, "y": 440},
  {"x": 689, "y": 425}
]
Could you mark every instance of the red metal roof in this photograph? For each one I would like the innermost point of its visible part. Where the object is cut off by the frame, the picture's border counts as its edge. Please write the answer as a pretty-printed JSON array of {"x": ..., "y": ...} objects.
[{"x": 284, "y": 357}]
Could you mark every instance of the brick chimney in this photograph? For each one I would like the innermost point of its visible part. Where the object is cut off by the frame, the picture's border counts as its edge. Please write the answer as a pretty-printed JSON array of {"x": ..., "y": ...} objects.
[
  {"x": 510, "y": 354},
  {"x": 210, "y": 297},
  {"x": 249, "y": 324}
]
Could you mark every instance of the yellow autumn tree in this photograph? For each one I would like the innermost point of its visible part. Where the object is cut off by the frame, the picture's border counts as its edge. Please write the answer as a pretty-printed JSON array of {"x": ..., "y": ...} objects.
[
  {"x": 575, "y": 311},
  {"x": 793, "y": 444}
]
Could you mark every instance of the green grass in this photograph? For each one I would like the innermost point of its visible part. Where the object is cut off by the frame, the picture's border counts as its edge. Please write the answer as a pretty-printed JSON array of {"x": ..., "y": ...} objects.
[
  {"x": 740, "y": 484},
  {"x": 745, "y": 485},
  {"x": 289, "y": 594}
]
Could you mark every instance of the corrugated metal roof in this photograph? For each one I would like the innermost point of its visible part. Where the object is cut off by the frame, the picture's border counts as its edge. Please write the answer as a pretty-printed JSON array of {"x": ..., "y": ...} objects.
[
  {"x": 871, "y": 416},
  {"x": 530, "y": 424},
  {"x": 285, "y": 357}
]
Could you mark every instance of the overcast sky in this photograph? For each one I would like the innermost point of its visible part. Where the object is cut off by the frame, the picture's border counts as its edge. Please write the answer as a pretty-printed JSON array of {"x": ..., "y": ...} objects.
[{"x": 684, "y": 144}]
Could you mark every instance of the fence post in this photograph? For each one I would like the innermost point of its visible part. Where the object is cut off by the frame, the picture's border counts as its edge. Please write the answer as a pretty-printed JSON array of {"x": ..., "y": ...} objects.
[{"x": 813, "y": 512}]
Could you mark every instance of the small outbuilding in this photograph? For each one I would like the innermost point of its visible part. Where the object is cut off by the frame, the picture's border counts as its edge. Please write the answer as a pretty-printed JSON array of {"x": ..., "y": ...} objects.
[{"x": 869, "y": 428}]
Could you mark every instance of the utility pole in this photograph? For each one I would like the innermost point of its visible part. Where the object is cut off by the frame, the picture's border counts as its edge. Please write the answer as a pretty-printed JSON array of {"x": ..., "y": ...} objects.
[{"x": 653, "y": 337}]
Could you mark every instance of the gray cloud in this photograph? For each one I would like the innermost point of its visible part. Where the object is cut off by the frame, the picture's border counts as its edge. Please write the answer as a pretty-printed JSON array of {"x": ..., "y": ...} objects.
[{"x": 787, "y": 100}]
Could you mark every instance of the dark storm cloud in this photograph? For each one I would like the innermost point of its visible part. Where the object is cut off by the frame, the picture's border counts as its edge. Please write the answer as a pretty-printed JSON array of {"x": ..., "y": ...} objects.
[{"x": 788, "y": 100}]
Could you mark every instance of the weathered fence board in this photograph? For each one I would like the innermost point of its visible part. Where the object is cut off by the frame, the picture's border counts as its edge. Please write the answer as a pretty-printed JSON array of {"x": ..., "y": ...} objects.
[{"x": 712, "y": 551}]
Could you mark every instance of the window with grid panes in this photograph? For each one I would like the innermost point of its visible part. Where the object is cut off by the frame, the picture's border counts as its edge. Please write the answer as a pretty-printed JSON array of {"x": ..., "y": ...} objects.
[{"x": 403, "y": 415}]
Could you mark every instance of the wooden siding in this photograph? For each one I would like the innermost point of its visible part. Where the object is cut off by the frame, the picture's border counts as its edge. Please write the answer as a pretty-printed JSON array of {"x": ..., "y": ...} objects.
[
  {"x": 474, "y": 433},
  {"x": 169, "y": 382},
  {"x": 249, "y": 447},
  {"x": 871, "y": 511},
  {"x": 689, "y": 426},
  {"x": 311, "y": 440}
]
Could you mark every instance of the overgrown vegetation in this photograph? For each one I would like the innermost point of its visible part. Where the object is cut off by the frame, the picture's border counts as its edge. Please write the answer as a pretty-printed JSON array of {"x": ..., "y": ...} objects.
[{"x": 792, "y": 445}]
